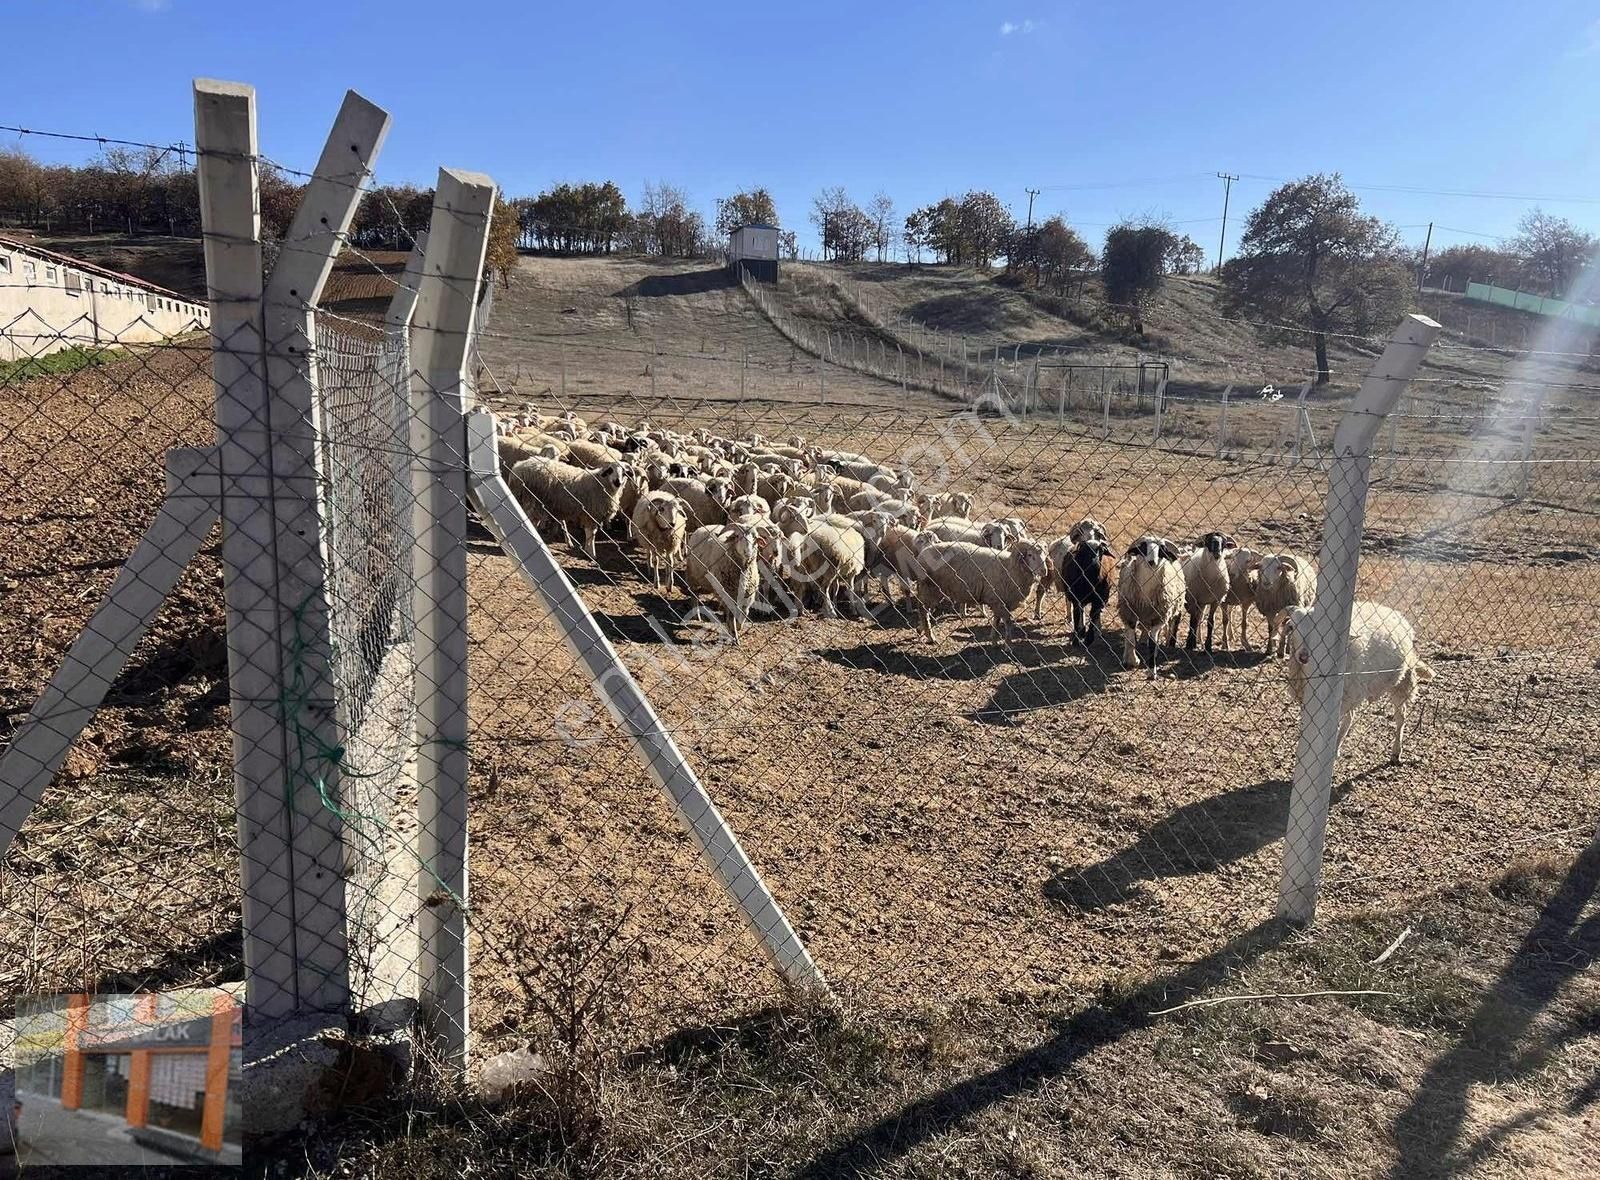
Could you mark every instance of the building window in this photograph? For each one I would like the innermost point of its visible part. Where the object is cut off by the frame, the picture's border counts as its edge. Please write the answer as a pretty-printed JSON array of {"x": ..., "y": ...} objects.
[
  {"x": 74, "y": 283},
  {"x": 5, "y": 264},
  {"x": 105, "y": 288},
  {"x": 29, "y": 271},
  {"x": 105, "y": 1082},
  {"x": 178, "y": 1092},
  {"x": 49, "y": 274}
]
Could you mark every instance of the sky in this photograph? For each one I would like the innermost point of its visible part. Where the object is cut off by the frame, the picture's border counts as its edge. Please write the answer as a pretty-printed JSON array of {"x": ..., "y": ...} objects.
[{"x": 1110, "y": 110}]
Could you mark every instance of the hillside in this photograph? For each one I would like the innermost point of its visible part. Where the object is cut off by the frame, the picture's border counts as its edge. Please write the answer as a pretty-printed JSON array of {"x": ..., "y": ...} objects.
[{"x": 1183, "y": 324}]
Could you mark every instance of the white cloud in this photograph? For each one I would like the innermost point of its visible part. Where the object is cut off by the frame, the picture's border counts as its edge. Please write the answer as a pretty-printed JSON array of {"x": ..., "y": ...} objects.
[{"x": 1022, "y": 26}]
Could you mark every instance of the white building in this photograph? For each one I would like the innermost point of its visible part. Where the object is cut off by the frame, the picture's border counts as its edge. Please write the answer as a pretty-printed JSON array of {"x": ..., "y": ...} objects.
[
  {"x": 49, "y": 301},
  {"x": 754, "y": 248}
]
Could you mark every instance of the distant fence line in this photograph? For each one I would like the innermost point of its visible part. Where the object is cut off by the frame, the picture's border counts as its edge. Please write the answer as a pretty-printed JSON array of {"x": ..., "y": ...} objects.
[{"x": 1539, "y": 304}]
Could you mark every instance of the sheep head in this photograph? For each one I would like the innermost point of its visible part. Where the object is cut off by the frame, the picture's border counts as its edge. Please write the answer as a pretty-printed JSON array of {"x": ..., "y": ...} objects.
[
  {"x": 1152, "y": 551},
  {"x": 1030, "y": 555},
  {"x": 1295, "y": 622},
  {"x": 668, "y": 512}
]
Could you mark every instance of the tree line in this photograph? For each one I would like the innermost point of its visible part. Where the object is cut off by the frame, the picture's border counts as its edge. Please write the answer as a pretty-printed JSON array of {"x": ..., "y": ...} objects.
[{"x": 1310, "y": 261}]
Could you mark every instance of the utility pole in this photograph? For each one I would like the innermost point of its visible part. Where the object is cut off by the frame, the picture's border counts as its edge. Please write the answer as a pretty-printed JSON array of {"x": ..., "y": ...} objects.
[
  {"x": 1032, "y": 193},
  {"x": 1227, "y": 179},
  {"x": 1423, "y": 269}
]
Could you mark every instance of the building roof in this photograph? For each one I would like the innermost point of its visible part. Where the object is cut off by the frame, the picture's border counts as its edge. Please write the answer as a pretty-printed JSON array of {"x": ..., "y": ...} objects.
[
  {"x": 88, "y": 267},
  {"x": 753, "y": 225}
]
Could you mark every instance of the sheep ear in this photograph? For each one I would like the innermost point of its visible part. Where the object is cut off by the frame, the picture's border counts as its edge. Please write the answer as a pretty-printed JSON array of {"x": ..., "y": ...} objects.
[
  {"x": 1228, "y": 542},
  {"x": 1169, "y": 550},
  {"x": 1132, "y": 550}
]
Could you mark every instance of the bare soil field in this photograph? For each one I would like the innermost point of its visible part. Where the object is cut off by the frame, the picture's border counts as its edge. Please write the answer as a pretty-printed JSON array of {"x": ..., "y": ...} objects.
[{"x": 126, "y": 875}]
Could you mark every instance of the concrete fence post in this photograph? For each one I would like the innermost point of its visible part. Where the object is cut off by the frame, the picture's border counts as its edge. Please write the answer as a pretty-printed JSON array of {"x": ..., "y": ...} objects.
[
  {"x": 284, "y": 715},
  {"x": 442, "y": 328},
  {"x": 1349, "y": 475},
  {"x": 1222, "y": 422}
]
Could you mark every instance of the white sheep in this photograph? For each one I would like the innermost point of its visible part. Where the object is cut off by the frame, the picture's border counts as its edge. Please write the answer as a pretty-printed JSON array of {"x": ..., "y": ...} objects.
[
  {"x": 705, "y": 500},
  {"x": 974, "y": 575},
  {"x": 830, "y": 554},
  {"x": 1379, "y": 660},
  {"x": 1206, "y": 581},
  {"x": 1286, "y": 581},
  {"x": 1244, "y": 575},
  {"x": 720, "y": 560},
  {"x": 580, "y": 498},
  {"x": 1150, "y": 595},
  {"x": 659, "y": 526}
]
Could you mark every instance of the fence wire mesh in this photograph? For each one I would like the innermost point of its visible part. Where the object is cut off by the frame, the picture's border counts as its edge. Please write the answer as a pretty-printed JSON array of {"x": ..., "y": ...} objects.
[{"x": 1006, "y": 808}]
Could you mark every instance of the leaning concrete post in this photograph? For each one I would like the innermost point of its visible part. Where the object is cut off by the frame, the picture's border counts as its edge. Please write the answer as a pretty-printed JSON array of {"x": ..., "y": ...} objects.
[{"x": 1349, "y": 473}]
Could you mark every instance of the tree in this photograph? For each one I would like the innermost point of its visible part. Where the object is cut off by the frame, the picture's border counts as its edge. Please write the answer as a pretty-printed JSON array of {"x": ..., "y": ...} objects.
[
  {"x": 505, "y": 229},
  {"x": 1061, "y": 253},
  {"x": 985, "y": 228},
  {"x": 1456, "y": 266},
  {"x": 1553, "y": 252},
  {"x": 915, "y": 234},
  {"x": 789, "y": 244},
  {"x": 1133, "y": 265},
  {"x": 881, "y": 211},
  {"x": 666, "y": 225},
  {"x": 829, "y": 210},
  {"x": 1185, "y": 256},
  {"x": 1310, "y": 257},
  {"x": 752, "y": 208}
]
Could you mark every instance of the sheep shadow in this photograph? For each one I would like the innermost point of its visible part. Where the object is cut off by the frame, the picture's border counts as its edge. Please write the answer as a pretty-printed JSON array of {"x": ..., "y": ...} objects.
[
  {"x": 1198, "y": 837},
  {"x": 1187, "y": 665},
  {"x": 972, "y": 662},
  {"x": 1049, "y": 684}
]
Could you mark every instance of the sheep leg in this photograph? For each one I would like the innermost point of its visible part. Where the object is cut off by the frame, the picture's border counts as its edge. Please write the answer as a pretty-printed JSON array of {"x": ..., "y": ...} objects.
[
  {"x": 1192, "y": 640},
  {"x": 1346, "y": 723},
  {"x": 589, "y": 531},
  {"x": 1211, "y": 622},
  {"x": 1038, "y": 602},
  {"x": 925, "y": 621},
  {"x": 825, "y": 589},
  {"x": 1399, "y": 729},
  {"x": 1077, "y": 622},
  {"x": 1093, "y": 631},
  {"x": 1153, "y": 641},
  {"x": 1130, "y": 656}
]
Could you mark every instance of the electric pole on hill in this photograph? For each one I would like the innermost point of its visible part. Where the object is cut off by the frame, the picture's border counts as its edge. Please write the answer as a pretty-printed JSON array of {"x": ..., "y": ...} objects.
[
  {"x": 1422, "y": 270},
  {"x": 1032, "y": 193},
  {"x": 1227, "y": 179}
]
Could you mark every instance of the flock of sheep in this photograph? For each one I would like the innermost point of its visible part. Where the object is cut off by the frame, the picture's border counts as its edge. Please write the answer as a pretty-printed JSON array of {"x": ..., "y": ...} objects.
[{"x": 762, "y": 526}]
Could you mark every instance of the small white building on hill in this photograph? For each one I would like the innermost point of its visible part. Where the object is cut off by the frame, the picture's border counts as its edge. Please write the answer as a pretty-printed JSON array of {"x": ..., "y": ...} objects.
[
  {"x": 754, "y": 248},
  {"x": 49, "y": 301}
]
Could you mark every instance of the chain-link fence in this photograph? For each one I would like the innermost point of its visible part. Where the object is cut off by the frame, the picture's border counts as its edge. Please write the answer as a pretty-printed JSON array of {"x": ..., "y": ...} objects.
[
  {"x": 981, "y": 687},
  {"x": 977, "y": 817}
]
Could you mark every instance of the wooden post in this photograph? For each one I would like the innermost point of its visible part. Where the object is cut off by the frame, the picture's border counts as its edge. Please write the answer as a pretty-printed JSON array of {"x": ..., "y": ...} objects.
[
  {"x": 442, "y": 329},
  {"x": 284, "y": 724},
  {"x": 1222, "y": 422},
  {"x": 1161, "y": 402},
  {"x": 1349, "y": 476}
]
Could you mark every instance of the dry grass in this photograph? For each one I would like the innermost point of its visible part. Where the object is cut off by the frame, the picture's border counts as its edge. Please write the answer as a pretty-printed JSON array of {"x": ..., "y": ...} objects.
[{"x": 1482, "y": 1064}]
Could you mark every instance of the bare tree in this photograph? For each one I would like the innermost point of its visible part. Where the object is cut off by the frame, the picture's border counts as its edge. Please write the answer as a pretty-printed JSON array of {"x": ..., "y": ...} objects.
[{"x": 881, "y": 211}]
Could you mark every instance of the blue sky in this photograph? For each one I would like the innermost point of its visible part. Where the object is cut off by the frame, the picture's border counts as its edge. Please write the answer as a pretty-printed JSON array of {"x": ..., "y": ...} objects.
[{"x": 1111, "y": 109}]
